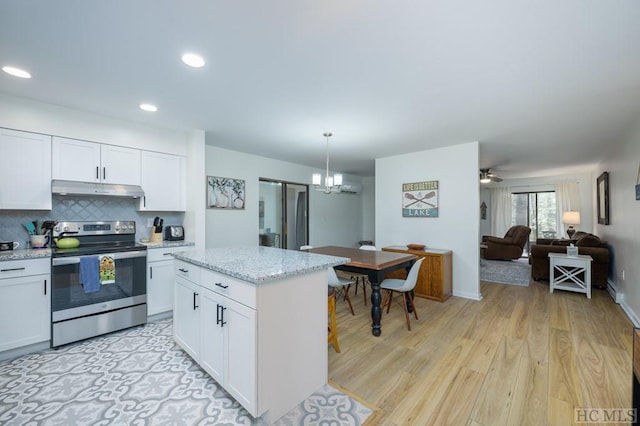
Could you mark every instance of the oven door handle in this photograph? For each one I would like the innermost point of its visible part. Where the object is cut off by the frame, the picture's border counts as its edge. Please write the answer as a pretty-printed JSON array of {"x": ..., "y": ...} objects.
[{"x": 58, "y": 261}]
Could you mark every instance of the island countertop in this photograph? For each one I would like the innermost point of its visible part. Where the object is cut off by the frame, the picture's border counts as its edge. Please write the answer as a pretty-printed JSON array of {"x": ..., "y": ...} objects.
[{"x": 259, "y": 264}]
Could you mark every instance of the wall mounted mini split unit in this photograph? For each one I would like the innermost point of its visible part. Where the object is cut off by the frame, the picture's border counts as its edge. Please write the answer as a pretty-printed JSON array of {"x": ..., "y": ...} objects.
[{"x": 350, "y": 188}]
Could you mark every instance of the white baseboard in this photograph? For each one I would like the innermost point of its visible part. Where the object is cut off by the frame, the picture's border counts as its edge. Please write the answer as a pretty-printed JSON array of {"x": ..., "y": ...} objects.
[
  {"x": 468, "y": 295},
  {"x": 630, "y": 314},
  {"x": 618, "y": 297},
  {"x": 614, "y": 293}
]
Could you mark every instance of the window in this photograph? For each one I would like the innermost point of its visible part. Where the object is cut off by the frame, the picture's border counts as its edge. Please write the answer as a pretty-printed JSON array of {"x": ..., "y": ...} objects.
[{"x": 537, "y": 210}]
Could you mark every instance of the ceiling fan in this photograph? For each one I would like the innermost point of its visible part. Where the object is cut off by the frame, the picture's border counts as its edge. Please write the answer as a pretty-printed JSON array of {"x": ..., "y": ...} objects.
[{"x": 486, "y": 176}]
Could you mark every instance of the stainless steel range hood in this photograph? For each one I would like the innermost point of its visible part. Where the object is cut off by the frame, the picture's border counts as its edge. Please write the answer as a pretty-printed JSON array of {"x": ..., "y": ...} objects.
[{"x": 68, "y": 187}]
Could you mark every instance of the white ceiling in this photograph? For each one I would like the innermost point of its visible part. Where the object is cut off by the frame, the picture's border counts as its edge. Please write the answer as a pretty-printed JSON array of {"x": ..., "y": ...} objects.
[{"x": 544, "y": 86}]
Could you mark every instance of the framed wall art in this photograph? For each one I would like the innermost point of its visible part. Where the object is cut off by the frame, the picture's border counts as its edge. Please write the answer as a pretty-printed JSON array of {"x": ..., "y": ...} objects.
[
  {"x": 603, "y": 198},
  {"x": 225, "y": 193},
  {"x": 420, "y": 199}
]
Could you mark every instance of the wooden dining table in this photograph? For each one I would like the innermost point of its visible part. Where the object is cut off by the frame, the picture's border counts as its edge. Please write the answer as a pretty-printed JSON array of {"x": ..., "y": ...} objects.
[{"x": 375, "y": 265}]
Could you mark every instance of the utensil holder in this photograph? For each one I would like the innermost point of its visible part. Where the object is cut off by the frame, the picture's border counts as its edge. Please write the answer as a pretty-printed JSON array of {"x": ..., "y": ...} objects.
[{"x": 156, "y": 237}]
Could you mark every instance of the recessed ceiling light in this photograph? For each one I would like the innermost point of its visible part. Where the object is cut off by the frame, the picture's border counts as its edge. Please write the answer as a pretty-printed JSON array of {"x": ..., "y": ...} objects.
[
  {"x": 193, "y": 60},
  {"x": 16, "y": 72},
  {"x": 148, "y": 107}
]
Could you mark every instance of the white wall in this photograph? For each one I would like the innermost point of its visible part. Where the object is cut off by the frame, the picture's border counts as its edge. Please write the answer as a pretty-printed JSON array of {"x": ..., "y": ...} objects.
[
  {"x": 334, "y": 219},
  {"x": 369, "y": 208},
  {"x": 457, "y": 226},
  {"x": 623, "y": 232},
  {"x": 194, "y": 218}
]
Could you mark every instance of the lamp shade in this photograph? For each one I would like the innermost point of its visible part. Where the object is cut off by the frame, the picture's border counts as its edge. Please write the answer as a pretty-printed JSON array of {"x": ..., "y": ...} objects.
[{"x": 571, "y": 218}]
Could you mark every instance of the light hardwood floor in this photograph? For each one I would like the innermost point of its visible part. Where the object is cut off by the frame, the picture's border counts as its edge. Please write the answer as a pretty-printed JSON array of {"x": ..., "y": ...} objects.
[{"x": 521, "y": 356}]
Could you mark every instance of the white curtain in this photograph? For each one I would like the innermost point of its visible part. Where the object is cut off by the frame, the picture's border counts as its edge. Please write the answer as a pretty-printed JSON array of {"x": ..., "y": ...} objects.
[
  {"x": 567, "y": 198},
  {"x": 500, "y": 210}
]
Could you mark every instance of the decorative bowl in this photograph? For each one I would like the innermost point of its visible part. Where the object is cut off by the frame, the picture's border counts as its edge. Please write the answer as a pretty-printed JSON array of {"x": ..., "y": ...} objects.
[{"x": 415, "y": 246}]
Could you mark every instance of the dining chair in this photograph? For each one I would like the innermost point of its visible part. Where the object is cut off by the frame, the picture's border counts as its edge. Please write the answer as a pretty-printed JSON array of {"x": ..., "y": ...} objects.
[
  {"x": 361, "y": 280},
  {"x": 333, "y": 328},
  {"x": 404, "y": 287},
  {"x": 340, "y": 285}
]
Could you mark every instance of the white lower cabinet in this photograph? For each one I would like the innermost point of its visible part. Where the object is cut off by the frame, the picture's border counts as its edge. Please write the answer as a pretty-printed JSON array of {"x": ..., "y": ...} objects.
[
  {"x": 220, "y": 334},
  {"x": 186, "y": 317},
  {"x": 266, "y": 352},
  {"x": 228, "y": 346},
  {"x": 160, "y": 278},
  {"x": 25, "y": 302}
]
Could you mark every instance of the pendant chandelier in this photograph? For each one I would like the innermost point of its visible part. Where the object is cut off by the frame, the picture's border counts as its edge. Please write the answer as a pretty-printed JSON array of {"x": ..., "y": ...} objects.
[{"x": 331, "y": 183}]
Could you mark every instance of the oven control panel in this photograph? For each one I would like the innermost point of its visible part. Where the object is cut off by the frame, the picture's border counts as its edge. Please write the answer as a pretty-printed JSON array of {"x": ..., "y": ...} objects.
[{"x": 95, "y": 228}]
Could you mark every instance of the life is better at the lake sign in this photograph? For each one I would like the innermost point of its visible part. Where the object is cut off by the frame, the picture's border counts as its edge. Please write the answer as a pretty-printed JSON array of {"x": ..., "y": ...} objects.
[{"x": 420, "y": 199}]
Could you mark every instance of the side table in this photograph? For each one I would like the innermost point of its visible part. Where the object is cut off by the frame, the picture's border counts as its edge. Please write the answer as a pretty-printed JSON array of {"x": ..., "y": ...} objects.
[{"x": 565, "y": 273}]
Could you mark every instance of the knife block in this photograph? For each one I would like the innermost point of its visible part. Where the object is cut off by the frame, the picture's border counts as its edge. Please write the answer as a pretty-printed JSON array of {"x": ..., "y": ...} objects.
[{"x": 155, "y": 237}]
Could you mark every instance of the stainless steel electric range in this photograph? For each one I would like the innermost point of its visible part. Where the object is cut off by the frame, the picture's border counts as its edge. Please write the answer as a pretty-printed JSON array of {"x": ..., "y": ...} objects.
[{"x": 99, "y": 286}]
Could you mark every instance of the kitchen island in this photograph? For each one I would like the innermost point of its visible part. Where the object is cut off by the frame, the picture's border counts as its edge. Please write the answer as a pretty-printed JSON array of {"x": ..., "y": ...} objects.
[{"x": 255, "y": 319}]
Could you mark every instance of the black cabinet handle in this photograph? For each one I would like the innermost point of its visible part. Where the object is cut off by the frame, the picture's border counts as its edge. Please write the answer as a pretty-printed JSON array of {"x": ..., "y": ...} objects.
[
  {"x": 104, "y": 173},
  {"x": 45, "y": 287},
  {"x": 220, "y": 319},
  {"x": 183, "y": 270},
  {"x": 195, "y": 295},
  {"x": 166, "y": 254},
  {"x": 12, "y": 269},
  {"x": 144, "y": 201},
  {"x": 218, "y": 313},
  {"x": 150, "y": 272},
  {"x": 97, "y": 172},
  {"x": 221, "y": 285}
]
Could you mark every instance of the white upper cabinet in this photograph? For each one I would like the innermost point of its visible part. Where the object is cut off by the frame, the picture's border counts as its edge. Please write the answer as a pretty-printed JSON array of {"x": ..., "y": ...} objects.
[
  {"x": 163, "y": 181},
  {"x": 84, "y": 161},
  {"x": 25, "y": 171}
]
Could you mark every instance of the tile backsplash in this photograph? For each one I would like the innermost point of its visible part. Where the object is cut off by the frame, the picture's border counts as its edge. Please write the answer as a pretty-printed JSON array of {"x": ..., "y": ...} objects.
[{"x": 67, "y": 208}]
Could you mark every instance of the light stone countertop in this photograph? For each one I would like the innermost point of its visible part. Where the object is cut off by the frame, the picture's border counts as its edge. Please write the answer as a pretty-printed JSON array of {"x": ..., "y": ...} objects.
[
  {"x": 167, "y": 244},
  {"x": 259, "y": 264},
  {"x": 25, "y": 254}
]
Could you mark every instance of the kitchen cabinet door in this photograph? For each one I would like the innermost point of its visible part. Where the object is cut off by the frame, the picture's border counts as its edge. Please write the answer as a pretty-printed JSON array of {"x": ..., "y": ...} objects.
[
  {"x": 25, "y": 311},
  {"x": 76, "y": 160},
  {"x": 120, "y": 165},
  {"x": 228, "y": 346},
  {"x": 163, "y": 179},
  {"x": 186, "y": 316},
  {"x": 85, "y": 161},
  {"x": 25, "y": 171},
  {"x": 212, "y": 340},
  {"x": 241, "y": 354},
  {"x": 160, "y": 280}
]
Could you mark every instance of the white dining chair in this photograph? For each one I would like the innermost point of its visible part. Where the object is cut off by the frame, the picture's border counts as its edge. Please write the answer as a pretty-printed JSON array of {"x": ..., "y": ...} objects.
[
  {"x": 340, "y": 285},
  {"x": 404, "y": 287}
]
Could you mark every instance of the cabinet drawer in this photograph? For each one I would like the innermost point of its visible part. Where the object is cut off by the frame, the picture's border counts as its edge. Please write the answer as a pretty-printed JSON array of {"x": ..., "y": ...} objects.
[
  {"x": 235, "y": 289},
  {"x": 187, "y": 270},
  {"x": 158, "y": 254},
  {"x": 25, "y": 267}
]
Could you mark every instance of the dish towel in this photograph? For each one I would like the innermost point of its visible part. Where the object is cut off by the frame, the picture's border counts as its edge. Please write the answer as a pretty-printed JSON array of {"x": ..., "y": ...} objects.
[
  {"x": 107, "y": 270},
  {"x": 90, "y": 274}
]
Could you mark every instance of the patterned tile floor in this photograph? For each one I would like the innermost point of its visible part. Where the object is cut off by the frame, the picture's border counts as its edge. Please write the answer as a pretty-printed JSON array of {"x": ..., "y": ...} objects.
[{"x": 139, "y": 377}]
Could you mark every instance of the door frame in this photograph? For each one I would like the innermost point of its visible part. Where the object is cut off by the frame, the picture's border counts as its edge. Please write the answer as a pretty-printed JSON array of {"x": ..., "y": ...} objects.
[{"x": 284, "y": 222}]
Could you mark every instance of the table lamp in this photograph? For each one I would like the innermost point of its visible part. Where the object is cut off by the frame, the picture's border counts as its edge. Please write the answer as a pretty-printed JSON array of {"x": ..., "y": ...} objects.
[{"x": 571, "y": 218}]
